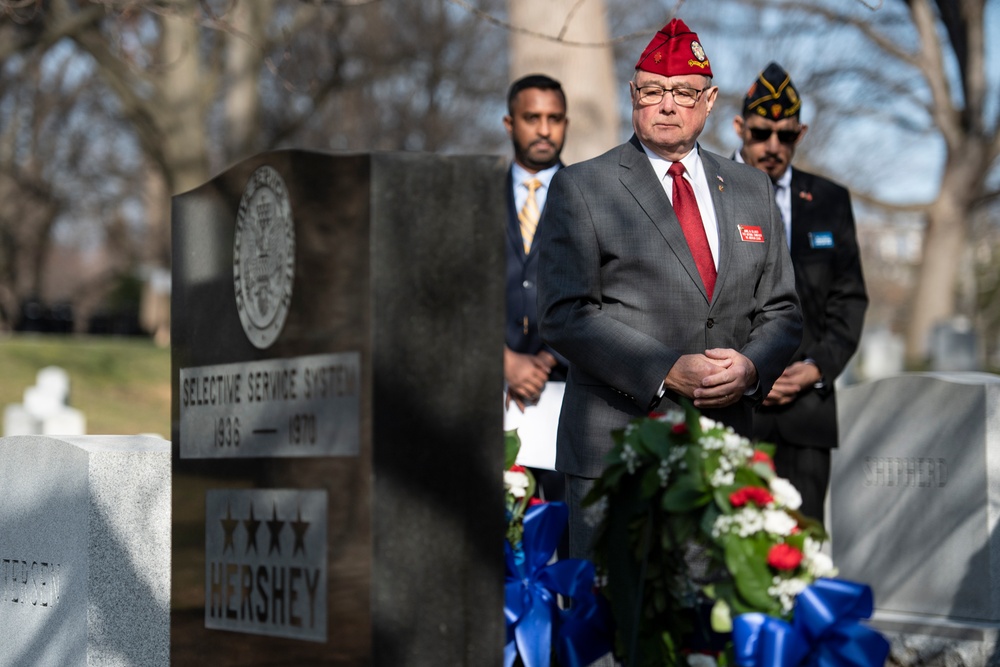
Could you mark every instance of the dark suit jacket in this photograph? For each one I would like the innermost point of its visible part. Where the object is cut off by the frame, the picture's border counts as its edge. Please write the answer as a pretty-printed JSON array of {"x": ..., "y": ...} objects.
[
  {"x": 522, "y": 292},
  {"x": 620, "y": 296},
  {"x": 831, "y": 289}
]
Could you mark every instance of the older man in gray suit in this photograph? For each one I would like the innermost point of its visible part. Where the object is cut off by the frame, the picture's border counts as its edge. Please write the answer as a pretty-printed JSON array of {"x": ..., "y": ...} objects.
[{"x": 663, "y": 273}]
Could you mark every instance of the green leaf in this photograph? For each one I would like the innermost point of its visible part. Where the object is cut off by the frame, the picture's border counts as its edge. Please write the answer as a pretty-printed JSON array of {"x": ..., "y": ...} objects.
[
  {"x": 512, "y": 445},
  {"x": 650, "y": 482},
  {"x": 746, "y": 559},
  {"x": 684, "y": 495},
  {"x": 655, "y": 437},
  {"x": 722, "y": 620}
]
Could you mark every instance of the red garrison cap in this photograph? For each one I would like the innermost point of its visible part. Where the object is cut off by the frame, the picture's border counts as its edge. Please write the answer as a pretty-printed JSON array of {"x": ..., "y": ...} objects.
[{"x": 675, "y": 51}]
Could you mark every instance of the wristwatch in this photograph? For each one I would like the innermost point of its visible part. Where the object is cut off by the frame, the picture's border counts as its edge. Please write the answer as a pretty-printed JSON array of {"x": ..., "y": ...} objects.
[{"x": 819, "y": 384}]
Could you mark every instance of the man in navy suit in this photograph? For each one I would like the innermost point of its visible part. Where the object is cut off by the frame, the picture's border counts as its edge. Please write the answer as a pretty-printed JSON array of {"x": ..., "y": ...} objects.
[
  {"x": 536, "y": 123},
  {"x": 799, "y": 414},
  {"x": 663, "y": 274}
]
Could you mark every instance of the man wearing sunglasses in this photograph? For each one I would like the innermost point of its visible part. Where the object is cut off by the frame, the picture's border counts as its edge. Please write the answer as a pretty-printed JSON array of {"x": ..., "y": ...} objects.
[{"x": 799, "y": 414}]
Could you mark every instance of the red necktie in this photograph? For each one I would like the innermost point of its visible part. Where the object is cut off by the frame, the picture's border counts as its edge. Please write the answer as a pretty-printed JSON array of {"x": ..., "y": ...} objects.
[{"x": 686, "y": 209}]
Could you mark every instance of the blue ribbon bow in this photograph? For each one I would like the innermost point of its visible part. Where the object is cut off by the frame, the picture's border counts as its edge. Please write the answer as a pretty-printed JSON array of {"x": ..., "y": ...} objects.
[
  {"x": 531, "y": 608},
  {"x": 825, "y": 631}
]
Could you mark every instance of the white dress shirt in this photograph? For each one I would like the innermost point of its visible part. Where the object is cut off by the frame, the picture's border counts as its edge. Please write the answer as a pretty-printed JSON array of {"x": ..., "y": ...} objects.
[{"x": 694, "y": 172}]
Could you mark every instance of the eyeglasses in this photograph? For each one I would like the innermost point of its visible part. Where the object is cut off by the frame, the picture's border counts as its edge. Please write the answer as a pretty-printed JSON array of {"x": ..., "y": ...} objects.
[
  {"x": 784, "y": 136},
  {"x": 683, "y": 97}
]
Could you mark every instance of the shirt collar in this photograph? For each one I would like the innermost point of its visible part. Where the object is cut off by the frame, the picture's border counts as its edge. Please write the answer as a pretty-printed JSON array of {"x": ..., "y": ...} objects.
[
  {"x": 784, "y": 182},
  {"x": 519, "y": 174},
  {"x": 691, "y": 161}
]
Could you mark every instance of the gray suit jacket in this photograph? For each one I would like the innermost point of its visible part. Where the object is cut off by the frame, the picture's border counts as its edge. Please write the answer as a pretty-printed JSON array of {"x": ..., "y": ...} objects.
[{"x": 620, "y": 297}]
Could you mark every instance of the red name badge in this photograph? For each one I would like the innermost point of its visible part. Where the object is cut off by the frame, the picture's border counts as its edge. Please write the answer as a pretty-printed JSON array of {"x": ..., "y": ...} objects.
[{"x": 751, "y": 234}]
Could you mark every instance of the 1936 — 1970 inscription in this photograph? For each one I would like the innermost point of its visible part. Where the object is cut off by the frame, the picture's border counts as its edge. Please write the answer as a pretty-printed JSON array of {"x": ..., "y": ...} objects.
[{"x": 297, "y": 407}]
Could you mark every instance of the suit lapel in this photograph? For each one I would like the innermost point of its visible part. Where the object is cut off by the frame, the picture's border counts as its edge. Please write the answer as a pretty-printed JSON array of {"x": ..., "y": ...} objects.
[
  {"x": 513, "y": 225},
  {"x": 799, "y": 187},
  {"x": 638, "y": 177}
]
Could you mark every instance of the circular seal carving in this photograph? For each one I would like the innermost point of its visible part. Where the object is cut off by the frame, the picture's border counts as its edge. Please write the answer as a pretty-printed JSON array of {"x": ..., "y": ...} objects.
[
  {"x": 698, "y": 52},
  {"x": 264, "y": 257}
]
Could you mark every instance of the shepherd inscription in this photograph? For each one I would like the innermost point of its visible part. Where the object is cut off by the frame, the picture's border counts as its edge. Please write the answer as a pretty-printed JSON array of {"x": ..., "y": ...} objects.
[
  {"x": 915, "y": 471},
  {"x": 304, "y": 406}
]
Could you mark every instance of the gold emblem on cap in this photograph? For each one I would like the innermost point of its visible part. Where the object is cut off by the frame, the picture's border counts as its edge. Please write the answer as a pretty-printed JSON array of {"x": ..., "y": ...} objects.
[
  {"x": 776, "y": 110},
  {"x": 698, "y": 52},
  {"x": 695, "y": 63}
]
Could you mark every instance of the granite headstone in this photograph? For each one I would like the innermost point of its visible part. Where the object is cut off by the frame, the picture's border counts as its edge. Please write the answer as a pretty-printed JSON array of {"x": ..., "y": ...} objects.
[
  {"x": 915, "y": 500},
  {"x": 85, "y": 551},
  {"x": 337, "y": 336}
]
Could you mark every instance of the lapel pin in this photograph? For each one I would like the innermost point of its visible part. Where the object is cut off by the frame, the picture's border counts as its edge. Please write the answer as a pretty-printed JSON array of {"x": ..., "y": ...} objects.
[
  {"x": 808, "y": 196},
  {"x": 721, "y": 182}
]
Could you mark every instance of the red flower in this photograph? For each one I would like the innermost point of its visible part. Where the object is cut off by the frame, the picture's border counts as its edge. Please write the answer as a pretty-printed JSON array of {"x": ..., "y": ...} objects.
[
  {"x": 517, "y": 468},
  {"x": 679, "y": 429},
  {"x": 784, "y": 557},
  {"x": 656, "y": 415},
  {"x": 752, "y": 494},
  {"x": 762, "y": 457},
  {"x": 535, "y": 501}
]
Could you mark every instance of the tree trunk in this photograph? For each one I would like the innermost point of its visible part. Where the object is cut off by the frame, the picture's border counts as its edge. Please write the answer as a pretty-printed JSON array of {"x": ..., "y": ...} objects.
[
  {"x": 244, "y": 57},
  {"x": 586, "y": 73},
  {"x": 184, "y": 101},
  {"x": 944, "y": 245}
]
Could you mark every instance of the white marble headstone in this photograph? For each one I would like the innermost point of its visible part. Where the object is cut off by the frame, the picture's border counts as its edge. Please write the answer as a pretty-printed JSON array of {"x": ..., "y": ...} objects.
[
  {"x": 915, "y": 493},
  {"x": 85, "y": 551}
]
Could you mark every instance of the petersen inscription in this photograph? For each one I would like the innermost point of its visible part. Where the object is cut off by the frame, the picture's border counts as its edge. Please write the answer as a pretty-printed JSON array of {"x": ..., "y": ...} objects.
[
  {"x": 264, "y": 257},
  {"x": 29, "y": 582},
  {"x": 265, "y": 562},
  {"x": 301, "y": 406}
]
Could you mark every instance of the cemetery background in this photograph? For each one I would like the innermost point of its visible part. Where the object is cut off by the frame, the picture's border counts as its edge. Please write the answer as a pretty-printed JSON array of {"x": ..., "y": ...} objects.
[{"x": 123, "y": 237}]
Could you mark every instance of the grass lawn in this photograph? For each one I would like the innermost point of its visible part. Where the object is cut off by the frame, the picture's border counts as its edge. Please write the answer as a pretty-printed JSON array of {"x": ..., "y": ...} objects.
[{"x": 121, "y": 384}]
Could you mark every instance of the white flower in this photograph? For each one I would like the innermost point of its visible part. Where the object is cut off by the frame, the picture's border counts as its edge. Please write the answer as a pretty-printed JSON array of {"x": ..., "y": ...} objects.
[
  {"x": 817, "y": 563},
  {"x": 673, "y": 417},
  {"x": 721, "y": 478},
  {"x": 707, "y": 424},
  {"x": 744, "y": 523},
  {"x": 785, "y": 590},
  {"x": 785, "y": 493},
  {"x": 594, "y": 515},
  {"x": 630, "y": 457},
  {"x": 515, "y": 482},
  {"x": 778, "y": 522},
  {"x": 701, "y": 660},
  {"x": 664, "y": 473}
]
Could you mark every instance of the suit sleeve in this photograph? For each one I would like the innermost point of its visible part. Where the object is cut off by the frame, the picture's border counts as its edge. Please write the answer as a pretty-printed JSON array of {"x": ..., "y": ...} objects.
[
  {"x": 846, "y": 299},
  {"x": 571, "y": 317}
]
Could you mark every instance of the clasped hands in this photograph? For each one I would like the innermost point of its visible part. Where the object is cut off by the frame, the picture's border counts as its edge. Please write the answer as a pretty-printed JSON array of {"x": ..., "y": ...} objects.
[
  {"x": 715, "y": 379},
  {"x": 526, "y": 375},
  {"x": 793, "y": 380}
]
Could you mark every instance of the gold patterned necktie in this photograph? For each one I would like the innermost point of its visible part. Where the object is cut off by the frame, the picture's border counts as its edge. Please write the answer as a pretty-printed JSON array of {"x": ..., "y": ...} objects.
[{"x": 529, "y": 214}]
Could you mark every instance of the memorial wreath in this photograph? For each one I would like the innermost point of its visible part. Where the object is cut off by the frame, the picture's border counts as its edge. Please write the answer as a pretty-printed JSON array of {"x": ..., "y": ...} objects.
[{"x": 702, "y": 558}]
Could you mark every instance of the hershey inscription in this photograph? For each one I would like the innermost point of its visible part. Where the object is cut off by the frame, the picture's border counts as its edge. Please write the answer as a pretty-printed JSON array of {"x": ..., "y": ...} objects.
[
  {"x": 303, "y": 406},
  {"x": 265, "y": 562}
]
